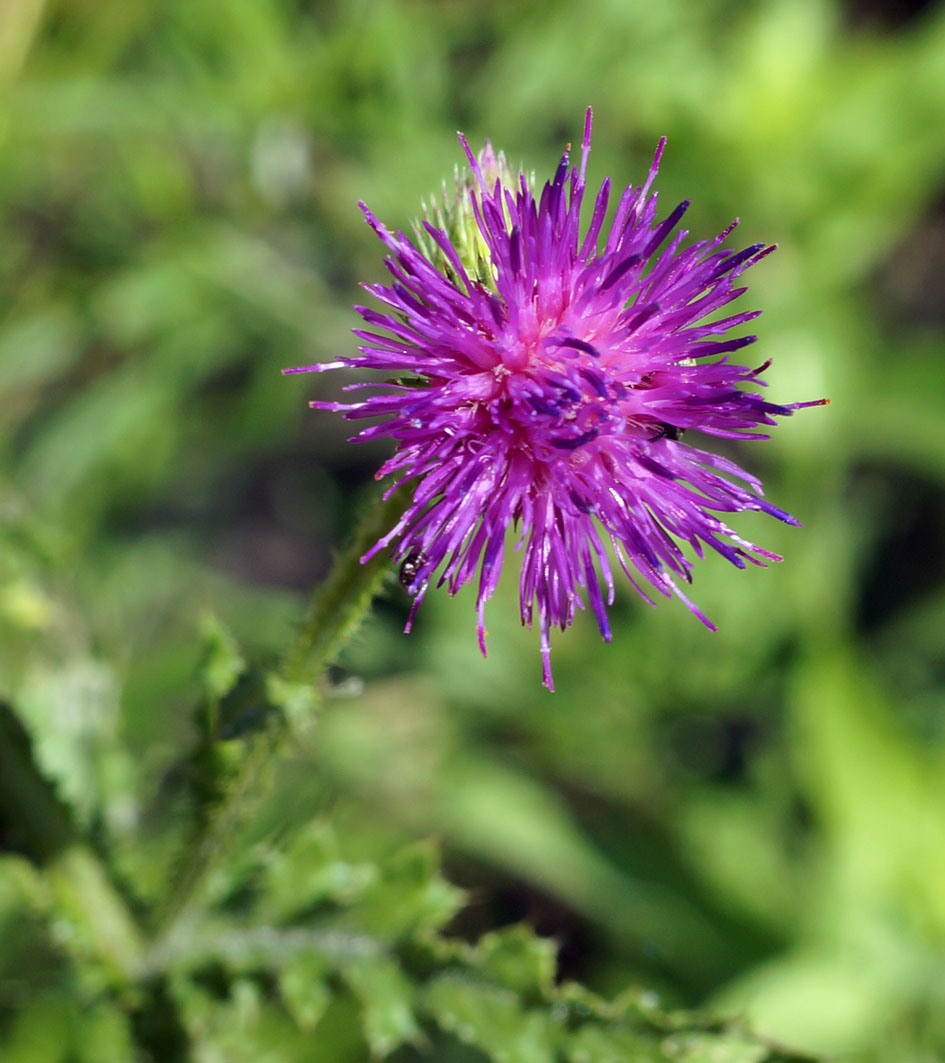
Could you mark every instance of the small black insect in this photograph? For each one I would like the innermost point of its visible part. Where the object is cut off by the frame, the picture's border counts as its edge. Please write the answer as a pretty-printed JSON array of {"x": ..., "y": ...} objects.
[
  {"x": 409, "y": 570},
  {"x": 667, "y": 431}
]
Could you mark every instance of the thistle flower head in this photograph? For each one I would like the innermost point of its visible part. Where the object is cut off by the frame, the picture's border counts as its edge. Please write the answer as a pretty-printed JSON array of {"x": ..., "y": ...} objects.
[
  {"x": 455, "y": 217},
  {"x": 544, "y": 376}
]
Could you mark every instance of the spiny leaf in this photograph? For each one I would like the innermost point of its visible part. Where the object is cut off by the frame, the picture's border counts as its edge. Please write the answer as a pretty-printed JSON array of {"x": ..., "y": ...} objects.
[
  {"x": 409, "y": 896},
  {"x": 600, "y": 1044},
  {"x": 303, "y": 988},
  {"x": 491, "y": 1019},
  {"x": 223, "y": 662},
  {"x": 387, "y": 1002},
  {"x": 517, "y": 958},
  {"x": 310, "y": 869}
]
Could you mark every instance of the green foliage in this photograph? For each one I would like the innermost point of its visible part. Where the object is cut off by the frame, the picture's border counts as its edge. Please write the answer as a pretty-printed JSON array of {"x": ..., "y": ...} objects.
[
  {"x": 257, "y": 975},
  {"x": 206, "y": 855}
]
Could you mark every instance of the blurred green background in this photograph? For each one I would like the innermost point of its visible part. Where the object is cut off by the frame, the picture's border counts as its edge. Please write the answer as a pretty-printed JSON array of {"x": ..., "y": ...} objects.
[{"x": 754, "y": 820}]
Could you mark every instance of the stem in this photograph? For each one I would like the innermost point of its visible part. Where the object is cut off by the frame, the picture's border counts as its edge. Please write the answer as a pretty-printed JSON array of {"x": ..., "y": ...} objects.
[
  {"x": 217, "y": 831},
  {"x": 342, "y": 601},
  {"x": 338, "y": 607}
]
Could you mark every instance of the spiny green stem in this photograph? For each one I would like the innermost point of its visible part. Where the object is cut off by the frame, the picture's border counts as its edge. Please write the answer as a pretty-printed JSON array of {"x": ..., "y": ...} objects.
[
  {"x": 342, "y": 601},
  {"x": 219, "y": 828},
  {"x": 338, "y": 607}
]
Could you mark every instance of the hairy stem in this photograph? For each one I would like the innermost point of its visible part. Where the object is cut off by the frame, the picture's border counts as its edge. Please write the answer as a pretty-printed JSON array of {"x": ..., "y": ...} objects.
[
  {"x": 342, "y": 601},
  {"x": 338, "y": 607}
]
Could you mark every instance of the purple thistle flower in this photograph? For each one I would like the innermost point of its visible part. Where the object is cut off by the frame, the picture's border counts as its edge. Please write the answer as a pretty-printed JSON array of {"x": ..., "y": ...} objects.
[{"x": 545, "y": 380}]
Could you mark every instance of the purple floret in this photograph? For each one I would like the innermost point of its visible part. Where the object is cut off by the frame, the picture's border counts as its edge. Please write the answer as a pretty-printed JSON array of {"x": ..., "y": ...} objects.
[{"x": 554, "y": 399}]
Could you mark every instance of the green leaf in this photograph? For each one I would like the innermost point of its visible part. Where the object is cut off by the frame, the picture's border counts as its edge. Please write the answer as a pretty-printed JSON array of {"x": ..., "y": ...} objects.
[
  {"x": 303, "y": 988},
  {"x": 386, "y": 997},
  {"x": 296, "y": 700},
  {"x": 517, "y": 958},
  {"x": 54, "y": 1028},
  {"x": 599, "y": 1044},
  {"x": 42, "y": 1031},
  {"x": 24, "y": 904},
  {"x": 490, "y": 1019},
  {"x": 21, "y": 887},
  {"x": 726, "y": 1047},
  {"x": 93, "y": 921},
  {"x": 409, "y": 897},
  {"x": 243, "y": 1028},
  {"x": 310, "y": 870},
  {"x": 223, "y": 663},
  {"x": 72, "y": 711},
  {"x": 104, "y": 1033}
]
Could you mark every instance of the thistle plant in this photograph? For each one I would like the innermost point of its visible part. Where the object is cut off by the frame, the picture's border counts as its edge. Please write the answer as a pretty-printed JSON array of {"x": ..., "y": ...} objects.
[{"x": 541, "y": 376}]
